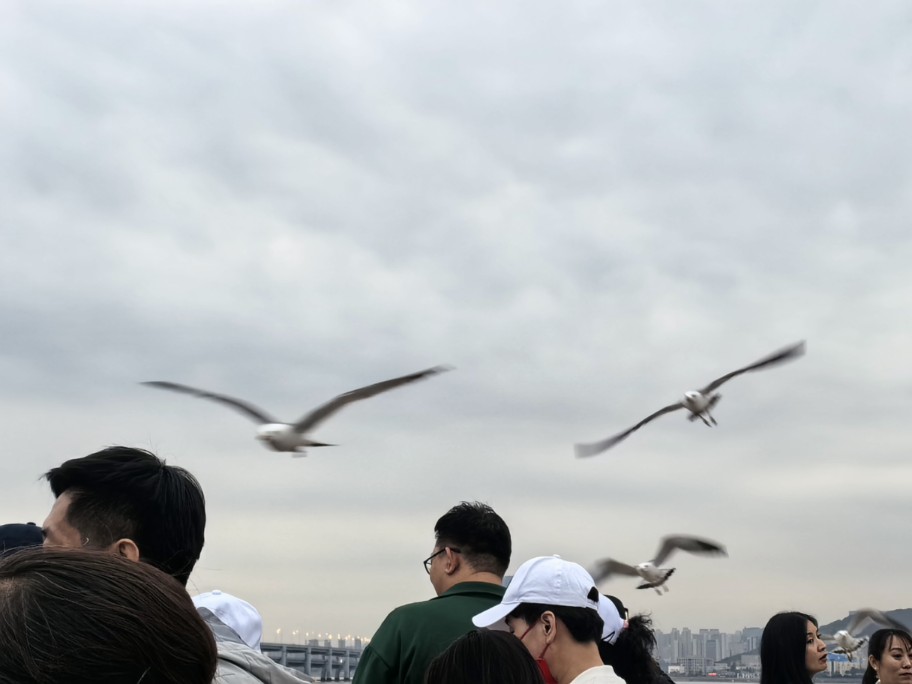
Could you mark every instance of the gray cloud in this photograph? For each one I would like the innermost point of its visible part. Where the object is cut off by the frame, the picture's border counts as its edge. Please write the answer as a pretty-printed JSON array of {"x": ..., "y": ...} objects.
[{"x": 586, "y": 211}]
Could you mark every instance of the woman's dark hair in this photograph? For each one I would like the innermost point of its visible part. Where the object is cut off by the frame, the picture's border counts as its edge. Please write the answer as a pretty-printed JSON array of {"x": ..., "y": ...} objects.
[
  {"x": 584, "y": 624},
  {"x": 88, "y": 617},
  {"x": 484, "y": 657},
  {"x": 880, "y": 641},
  {"x": 783, "y": 649},
  {"x": 631, "y": 655},
  {"x": 126, "y": 493}
]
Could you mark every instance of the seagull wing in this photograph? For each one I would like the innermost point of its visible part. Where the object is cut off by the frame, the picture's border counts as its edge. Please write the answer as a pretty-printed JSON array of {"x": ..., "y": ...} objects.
[
  {"x": 318, "y": 415},
  {"x": 249, "y": 410},
  {"x": 686, "y": 543},
  {"x": 862, "y": 616},
  {"x": 780, "y": 356},
  {"x": 583, "y": 450},
  {"x": 606, "y": 567}
]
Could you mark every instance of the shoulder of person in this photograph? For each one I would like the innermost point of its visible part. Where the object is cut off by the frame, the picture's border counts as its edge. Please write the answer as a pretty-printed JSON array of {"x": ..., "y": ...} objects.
[{"x": 240, "y": 664}]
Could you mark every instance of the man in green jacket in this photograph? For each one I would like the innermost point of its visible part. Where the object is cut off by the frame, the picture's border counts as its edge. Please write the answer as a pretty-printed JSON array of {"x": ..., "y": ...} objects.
[{"x": 470, "y": 557}]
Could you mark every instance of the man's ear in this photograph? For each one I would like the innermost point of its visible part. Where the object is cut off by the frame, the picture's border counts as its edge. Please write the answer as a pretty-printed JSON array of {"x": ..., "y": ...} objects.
[
  {"x": 126, "y": 548},
  {"x": 549, "y": 625},
  {"x": 453, "y": 562}
]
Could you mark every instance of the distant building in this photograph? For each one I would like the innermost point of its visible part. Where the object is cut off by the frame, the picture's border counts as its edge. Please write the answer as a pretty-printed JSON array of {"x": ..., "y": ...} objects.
[
  {"x": 697, "y": 666},
  {"x": 684, "y": 652},
  {"x": 751, "y": 637}
]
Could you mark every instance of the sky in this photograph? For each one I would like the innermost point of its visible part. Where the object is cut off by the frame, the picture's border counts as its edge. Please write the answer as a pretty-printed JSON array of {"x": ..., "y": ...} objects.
[{"x": 585, "y": 208}]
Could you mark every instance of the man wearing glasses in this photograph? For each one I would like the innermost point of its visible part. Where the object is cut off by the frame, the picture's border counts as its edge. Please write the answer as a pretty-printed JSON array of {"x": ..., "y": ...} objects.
[{"x": 470, "y": 557}]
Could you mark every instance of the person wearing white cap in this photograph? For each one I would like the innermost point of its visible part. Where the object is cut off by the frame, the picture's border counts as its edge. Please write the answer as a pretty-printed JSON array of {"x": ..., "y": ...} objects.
[
  {"x": 631, "y": 655},
  {"x": 555, "y": 609},
  {"x": 240, "y": 616}
]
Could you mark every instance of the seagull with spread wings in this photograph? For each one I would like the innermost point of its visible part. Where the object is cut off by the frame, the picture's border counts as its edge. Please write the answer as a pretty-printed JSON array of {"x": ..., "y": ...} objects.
[
  {"x": 651, "y": 571},
  {"x": 698, "y": 402},
  {"x": 293, "y": 437},
  {"x": 846, "y": 640}
]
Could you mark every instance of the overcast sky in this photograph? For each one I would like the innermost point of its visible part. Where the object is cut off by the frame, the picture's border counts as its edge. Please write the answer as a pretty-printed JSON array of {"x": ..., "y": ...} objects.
[{"x": 586, "y": 208}]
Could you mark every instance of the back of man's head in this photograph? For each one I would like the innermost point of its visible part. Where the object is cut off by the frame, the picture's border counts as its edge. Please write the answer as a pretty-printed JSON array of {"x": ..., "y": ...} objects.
[
  {"x": 125, "y": 493},
  {"x": 481, "y": 535}
]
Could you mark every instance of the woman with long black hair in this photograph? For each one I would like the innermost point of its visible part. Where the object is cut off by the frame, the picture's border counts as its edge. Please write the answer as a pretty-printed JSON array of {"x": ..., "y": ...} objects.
[{"x": 791, "y": 650}]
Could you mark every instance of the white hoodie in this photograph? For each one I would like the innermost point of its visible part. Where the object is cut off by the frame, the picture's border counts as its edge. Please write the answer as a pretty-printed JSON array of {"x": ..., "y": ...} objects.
[{"x": 240, "y": 664}]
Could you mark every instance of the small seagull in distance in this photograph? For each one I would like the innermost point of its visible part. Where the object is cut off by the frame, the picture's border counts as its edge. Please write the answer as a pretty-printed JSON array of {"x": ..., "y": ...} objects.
[
  {"x": 651, "y": 571},
  {"x": 846, "y": 640},
  {"x": 698, "y": 402},
  {"x": 292, "y": 437}
]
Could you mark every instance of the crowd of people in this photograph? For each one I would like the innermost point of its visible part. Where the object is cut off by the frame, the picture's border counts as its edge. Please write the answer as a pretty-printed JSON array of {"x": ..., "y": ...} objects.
[{"x": 98, "y": 594}]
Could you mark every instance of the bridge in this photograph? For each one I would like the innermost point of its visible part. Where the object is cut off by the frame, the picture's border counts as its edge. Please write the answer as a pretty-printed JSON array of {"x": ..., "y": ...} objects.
[{"x": 322, "y": 661}]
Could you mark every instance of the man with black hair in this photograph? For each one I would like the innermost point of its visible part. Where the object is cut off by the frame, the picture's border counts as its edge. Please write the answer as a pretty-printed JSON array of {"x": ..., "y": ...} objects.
[
  {"x": 130, "y": 503},
  {"x": 554, "y": 608},
  {"x": 470, "y": 557}
]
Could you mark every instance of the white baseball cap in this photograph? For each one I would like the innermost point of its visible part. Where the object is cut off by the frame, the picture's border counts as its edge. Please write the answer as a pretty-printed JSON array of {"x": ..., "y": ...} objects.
[
  {"x": 239, "y": 615},
  {"x": 548, "y": 580},
  {"x": 614, "y": 623}
]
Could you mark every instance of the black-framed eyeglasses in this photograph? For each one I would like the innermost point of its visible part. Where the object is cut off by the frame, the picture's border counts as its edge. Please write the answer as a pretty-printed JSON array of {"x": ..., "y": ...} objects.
[{"x": 427, "y": 561}]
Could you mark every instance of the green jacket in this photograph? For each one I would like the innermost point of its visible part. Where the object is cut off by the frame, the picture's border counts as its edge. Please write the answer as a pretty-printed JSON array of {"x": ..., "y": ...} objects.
[{"x": 410, "y": 637}]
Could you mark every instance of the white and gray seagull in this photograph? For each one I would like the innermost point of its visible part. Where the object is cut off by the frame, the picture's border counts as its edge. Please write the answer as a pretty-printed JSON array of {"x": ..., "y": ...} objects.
[
  {"x": 651, "y": 571},
  {"x": 292, "y": 437},
  {"x": 846, "y": 640},
  {"x": 698, "y": 402}
]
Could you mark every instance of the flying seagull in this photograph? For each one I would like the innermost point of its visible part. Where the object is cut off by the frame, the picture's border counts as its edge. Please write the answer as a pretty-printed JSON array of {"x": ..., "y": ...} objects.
[
  {"x": 651, "y": 571},
  {"x": 698, "y": 402},
  {"x": 292, "y": 437},
  {"x": 846, "y": 640}
]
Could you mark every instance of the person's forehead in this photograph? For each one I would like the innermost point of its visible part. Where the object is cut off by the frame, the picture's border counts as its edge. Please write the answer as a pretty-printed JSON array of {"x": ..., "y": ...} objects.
[
  {"x": 898, "y": 642},
  {"x": 61, "y": 506},
  {"x": 57, "y": 517}
]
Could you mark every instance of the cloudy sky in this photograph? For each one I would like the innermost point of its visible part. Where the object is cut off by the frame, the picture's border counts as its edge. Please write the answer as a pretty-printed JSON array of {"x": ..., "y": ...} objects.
[{"x": 586, "y": 208}]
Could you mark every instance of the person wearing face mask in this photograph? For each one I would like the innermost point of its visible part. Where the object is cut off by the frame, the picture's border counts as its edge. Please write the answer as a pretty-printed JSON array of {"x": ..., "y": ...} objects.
[
  {"x": 889, "y": 657},
  {"x": 791, "y": 650},
  {"x": 554, "y": 608}
]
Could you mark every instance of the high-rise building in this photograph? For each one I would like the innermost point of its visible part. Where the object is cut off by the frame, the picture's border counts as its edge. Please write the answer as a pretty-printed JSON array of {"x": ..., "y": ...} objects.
[
  {"x": 687, "y": 649},
  {"x": 684, "y": 651}
]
